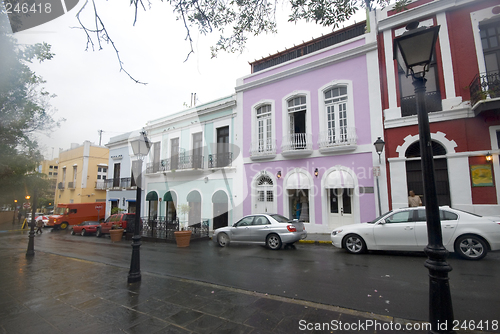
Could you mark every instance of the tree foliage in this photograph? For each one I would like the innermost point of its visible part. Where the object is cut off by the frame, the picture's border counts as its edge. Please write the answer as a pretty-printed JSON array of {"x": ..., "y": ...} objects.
[
  {"x": 234, "y": 20},
  {"x": 24, "y": 111}
]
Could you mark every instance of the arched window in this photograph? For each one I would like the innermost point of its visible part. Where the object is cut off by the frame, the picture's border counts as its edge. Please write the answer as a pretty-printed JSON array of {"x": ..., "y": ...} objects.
[
  {"x": 414, "y": 172},
  {"x": 297, "y": 110},
  {"x": 264, "y": 129},
  {"x": 336, "y": 114}
]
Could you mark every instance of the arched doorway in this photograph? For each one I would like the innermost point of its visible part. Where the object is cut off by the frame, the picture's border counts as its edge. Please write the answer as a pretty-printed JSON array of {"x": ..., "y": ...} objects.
[
  {"x": 265, "y": 194},
  {"x": 297, "y": 200},
  {"x": 414, "y": 172},
  {"x": 194, "y": 201},
  {"x": 170, "y": 200},
  {"x": 152, "y": 198},
  {"x": 220, "y": 207},
  {"x": 339, "y": 186}
]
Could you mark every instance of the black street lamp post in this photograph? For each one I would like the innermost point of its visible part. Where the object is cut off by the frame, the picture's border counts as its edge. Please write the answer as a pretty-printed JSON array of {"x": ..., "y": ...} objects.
[
  {"x": 31, "y": 237},
  {"x": 140, "y": 148},
  {"x": 414, "y": 49},
  {"x": 379, "y": 147}
]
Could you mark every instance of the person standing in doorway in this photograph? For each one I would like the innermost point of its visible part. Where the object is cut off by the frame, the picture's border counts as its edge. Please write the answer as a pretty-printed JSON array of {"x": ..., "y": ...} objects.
[{"x": 414, "y": 200}]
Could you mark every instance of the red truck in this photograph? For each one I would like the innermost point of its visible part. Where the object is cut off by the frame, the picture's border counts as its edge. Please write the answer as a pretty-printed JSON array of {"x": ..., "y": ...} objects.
[{"x": 75, "y": 213}]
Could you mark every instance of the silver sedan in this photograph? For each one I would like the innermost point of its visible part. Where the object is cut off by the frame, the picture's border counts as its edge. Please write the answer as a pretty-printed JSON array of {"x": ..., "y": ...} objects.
[{"x": 272, "y": 230}]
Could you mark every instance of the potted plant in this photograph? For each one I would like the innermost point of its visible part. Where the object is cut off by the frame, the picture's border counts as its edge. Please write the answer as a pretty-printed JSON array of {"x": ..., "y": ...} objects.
[
  {"x": 183, "y": 236},
  {"x": 116, "y": 233}
]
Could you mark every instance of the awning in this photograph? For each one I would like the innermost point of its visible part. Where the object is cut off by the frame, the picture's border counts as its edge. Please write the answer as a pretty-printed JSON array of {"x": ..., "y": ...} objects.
[
  {"x": 339, "y": 179},
  {"x": 113, "y": 199},
  {"x": 170, "y": 197},
  {"x": 130, "y": 200},
  {"x": 152, "y": 196},
  {"x": 298, "y": 181},
  {"x": 219, "y": 197},
  {"x": 194, "y": 196}
]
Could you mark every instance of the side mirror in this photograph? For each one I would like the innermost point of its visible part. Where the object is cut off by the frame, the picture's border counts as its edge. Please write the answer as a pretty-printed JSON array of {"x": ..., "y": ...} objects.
[{"x": 383, "y": 222}]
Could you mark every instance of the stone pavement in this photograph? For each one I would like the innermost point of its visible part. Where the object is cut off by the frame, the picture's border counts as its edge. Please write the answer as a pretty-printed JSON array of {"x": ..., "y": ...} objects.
[{"x": 49, "y": 293}]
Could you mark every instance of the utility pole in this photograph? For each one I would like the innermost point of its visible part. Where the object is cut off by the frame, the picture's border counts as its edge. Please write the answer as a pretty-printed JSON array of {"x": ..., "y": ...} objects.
[{"x": 100, "y": 136}]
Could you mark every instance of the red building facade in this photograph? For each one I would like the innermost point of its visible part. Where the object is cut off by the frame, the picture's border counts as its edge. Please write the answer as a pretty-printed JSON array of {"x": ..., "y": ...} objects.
[{"x": 462, "y": 98}]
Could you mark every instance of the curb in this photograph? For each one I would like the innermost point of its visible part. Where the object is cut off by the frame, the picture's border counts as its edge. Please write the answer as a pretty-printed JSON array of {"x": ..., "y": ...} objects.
[{"x": 316, "y": 242}]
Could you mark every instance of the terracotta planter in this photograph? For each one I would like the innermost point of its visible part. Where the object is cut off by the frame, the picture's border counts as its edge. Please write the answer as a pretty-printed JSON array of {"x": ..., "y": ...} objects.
[
  {"x": 182, "y": 238},
  {"x": 116, "y": 235}
]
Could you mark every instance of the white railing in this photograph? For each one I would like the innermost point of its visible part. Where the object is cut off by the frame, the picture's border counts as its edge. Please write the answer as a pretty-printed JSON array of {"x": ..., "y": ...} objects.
[
  {"x": 296, "y": 142},
  {"x": 331, "y": 138},
  {"x": 262, "y": 148}
]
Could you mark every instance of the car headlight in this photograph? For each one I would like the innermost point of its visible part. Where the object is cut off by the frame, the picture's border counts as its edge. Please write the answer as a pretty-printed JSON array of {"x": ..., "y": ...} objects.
[{"x": 334, "y": 233}]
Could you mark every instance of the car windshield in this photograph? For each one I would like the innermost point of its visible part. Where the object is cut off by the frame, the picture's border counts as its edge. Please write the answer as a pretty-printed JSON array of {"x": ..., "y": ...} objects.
[
  {"x": 60, "y": 211},
  {"x": 280, "y": 218},
  {"x": 380, "y": 217}
]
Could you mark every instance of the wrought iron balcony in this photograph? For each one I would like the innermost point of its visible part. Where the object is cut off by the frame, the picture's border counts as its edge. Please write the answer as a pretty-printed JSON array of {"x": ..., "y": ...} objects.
[
  {"x": 262, "y": 149},
  {"x": 484, "y": 86},
  {"x": 219, "y": 160},
  {"x": 60, "y": 185},
  {"x": 343, "y": 139},
  {"x": 297, "y": 144},
  {"x": 182, "y": 162},
  {"x": 432, "y": 103},
  {"x": 71, "y": 185},
  {"x": 100, "y": 184}
]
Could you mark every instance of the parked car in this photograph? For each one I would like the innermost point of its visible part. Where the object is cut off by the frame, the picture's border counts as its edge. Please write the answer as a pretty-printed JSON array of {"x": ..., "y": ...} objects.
[
  {"x": 272, "y": 230},
  {"x": 45, "y": 218},
  {"x": 123, "y": 220},
  {"x": 85, "y": 228},
  {"x": 469, "y": 235}
]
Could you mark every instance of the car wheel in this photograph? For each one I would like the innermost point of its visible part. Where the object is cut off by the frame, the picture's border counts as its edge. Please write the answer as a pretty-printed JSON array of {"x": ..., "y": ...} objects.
[
  {"x": 98, "y": 233},
  {"x": 354, "y": 244},
  {"x": 223, "y": 239},
  {"x": 64, "y": 225},
  {"x": 72, "y": 232},
  {"x": 83, "y": 233},
  {"x": 273, "y": 241},
  {"x": 471, "y": 247}
]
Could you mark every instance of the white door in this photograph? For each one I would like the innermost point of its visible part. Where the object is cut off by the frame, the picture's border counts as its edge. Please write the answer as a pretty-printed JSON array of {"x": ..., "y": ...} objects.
[
  {"x": 265, "y": 195},
  {"x": 340, "y": 207}
]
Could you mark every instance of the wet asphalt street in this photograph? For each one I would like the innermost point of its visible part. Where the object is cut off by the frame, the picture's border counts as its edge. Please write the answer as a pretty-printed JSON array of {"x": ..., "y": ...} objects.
[{"x": 231, "y": 282}]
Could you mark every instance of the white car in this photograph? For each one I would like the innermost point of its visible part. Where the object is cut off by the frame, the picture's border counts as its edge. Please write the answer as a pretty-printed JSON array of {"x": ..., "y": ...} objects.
[{"x": 469, "y": 235}]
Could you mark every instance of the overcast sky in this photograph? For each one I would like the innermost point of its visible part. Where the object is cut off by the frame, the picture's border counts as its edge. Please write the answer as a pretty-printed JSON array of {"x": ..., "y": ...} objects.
[{"x": 92, "y": 94}]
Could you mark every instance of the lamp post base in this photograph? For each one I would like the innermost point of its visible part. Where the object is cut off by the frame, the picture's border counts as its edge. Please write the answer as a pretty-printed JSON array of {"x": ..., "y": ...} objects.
[{"x": 134, "y": 275}]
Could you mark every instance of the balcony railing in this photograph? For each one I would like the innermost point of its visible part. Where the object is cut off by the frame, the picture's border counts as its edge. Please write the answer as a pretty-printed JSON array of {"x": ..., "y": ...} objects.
[
  {"x": 60, "y": 185},
  {"x": 100, "y": 184},
  {"x": 219, "y": 160},
  {"x": 118, "y": 183},
  {"x": 182, "y": 162},
  {"x": 263, "y": 148},
  {"x": 71, "y": 185},
  {"x": 484, "y": 85},
  {"x": 342, "y": 138},
  {"x": 297, "y": 143},
  {"x": 432, "y": 103}
]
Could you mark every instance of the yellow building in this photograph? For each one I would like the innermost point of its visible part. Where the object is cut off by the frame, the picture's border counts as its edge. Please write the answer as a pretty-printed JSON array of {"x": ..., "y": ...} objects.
[
  {"x": 51, "y": 169},
  {"x": 82, "y": 171}
]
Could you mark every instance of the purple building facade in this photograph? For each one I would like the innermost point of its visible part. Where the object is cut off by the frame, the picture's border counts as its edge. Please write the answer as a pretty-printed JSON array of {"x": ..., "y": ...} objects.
[{"x": 309, "y": 117}]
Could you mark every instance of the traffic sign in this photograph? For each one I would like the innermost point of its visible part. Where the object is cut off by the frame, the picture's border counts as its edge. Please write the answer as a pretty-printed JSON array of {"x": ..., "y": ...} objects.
[
  {"x": 26, "y": 205},
  {"x": 98, "y": 207}
]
